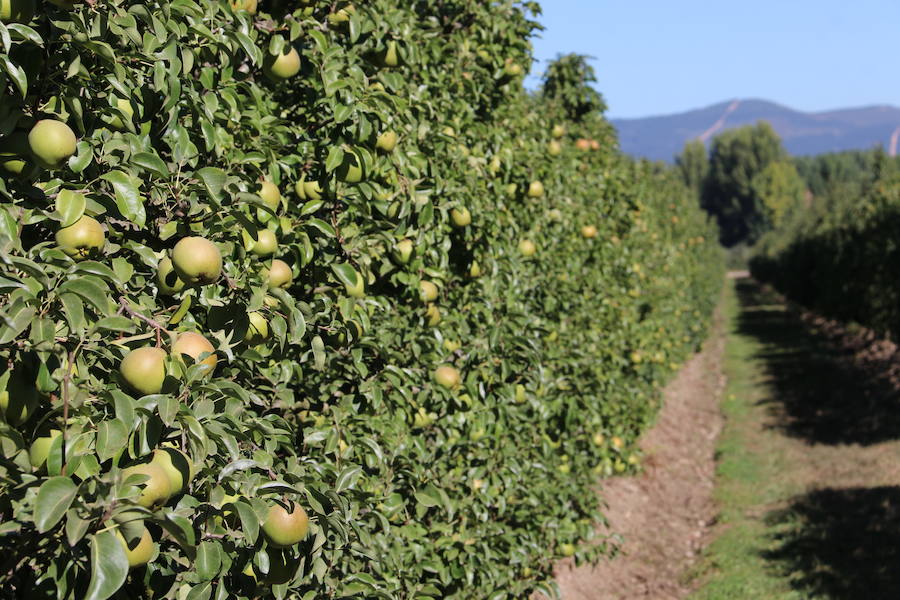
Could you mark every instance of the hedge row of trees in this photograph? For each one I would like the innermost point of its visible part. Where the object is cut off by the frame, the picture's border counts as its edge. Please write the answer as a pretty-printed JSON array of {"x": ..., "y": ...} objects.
[
  {"x": 312, "y": 299},
  {"x": 839, "y": 250}
]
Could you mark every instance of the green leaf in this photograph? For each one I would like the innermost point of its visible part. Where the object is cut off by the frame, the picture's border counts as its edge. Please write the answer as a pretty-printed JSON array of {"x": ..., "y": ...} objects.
[
  {"x": 112, "y": 436},
  {"x": 348, "y": 478},
  {"x": 201, "y": 592},
  {"x": 109, "y": 566},
  {"x": 76, "y": 527},
  {"x": 249, "y": 520},
  {"x": 92, "y": 267},
  {"x": 84, "y": 154},
  {"x": 323, "y": 227},
  {"x": 311, "y": 207},
  {"x": 70, "y": 206},
  {"x": 15, "y": 73},
  {"x": 15, "y": 322},
  {"x": 91, "y": 291},
  {"x": 346, "y": 273},
  {"x": 128, "y": 197},
  {"x": 25, "y": 32},
  {"x": 214, "y": 181},
  {"x": 209, "y": 560},
  {"x": 335, "y": 158},
  {"x": 151, "y": 162},
  {"x": 53, "y": 500},
  {"x": 249, "y": 47},
  {"x": 116, "y": 323}
]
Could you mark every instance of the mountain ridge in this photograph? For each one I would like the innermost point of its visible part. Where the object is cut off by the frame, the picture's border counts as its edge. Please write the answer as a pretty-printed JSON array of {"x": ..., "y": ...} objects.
[{"x": 661, "y": 137}]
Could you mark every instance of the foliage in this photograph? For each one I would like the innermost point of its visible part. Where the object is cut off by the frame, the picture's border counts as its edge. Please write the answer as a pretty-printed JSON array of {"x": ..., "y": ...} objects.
[
  {"x": 413, "y": 489},
  {"x": 693, "y": 164},
  {"x": 780, "y": 189},
  {"x": 850, "y": 174},
  {"x": 737, "y": 157},
  {"x": 840, "y": 254},
  {"x": 567, "y": 83}
]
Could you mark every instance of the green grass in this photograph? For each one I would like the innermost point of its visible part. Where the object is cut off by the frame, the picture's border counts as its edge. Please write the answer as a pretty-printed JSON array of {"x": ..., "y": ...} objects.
[{"x": 751, "y": 476}]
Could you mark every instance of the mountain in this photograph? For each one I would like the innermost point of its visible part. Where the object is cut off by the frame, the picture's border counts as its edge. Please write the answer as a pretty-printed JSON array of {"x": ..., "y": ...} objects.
[{"x": 662, "y": 137}]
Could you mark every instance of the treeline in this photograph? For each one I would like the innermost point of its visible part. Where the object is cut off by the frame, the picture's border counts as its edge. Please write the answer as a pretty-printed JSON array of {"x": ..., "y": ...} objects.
[{"x": 824, "y": 230}]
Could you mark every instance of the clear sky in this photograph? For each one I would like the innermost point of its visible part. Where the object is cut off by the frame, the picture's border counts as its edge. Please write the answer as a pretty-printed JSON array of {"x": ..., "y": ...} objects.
[{"x": 665, "y": 56}]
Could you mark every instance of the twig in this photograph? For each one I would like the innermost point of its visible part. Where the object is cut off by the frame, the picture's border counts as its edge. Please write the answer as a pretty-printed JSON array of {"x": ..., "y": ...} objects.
[{"x": 153, "y": 323}]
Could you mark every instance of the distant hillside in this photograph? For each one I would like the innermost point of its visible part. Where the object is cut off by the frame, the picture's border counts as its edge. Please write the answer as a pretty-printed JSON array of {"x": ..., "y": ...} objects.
[{"x": 661, "y": 138}]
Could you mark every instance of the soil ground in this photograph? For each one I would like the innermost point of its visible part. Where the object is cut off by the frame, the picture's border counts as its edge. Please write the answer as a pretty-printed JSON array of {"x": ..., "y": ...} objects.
[
  {"x": 773, "y": 471},
  {"x": 664, "y": 513}
]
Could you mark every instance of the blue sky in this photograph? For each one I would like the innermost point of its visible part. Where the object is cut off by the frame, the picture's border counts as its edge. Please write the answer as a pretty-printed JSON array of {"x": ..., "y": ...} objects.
[{"x": 664, "y": 56}]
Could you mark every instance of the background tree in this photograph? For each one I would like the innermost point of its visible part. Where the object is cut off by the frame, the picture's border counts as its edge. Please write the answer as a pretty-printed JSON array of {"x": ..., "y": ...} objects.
[
  {"x": 568, "y": 83},
  {"x": 737, "y": 157},
  {"x": 780, "y": 190},
  {"x": 693, "y": 164}
]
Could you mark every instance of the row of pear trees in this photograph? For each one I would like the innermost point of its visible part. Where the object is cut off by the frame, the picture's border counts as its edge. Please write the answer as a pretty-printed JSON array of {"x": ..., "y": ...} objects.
[{"x": 313, "y": 299}]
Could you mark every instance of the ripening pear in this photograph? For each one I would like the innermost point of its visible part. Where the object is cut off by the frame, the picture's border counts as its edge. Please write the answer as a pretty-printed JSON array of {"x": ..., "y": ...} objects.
[
  {"x": 279, "y": 274},
  {"x": 512, "y": 69},
  {"x": 16, "y": 11},
  {"x": 461, "y": 217},
  {"x": 284, "y": 527},
  {"x": 387, "y": 141},
  {"x": 195, "y": 345},
  {"x": 15, "y": 153},
  {"x": 428, "y": 292},
  {"x": 116, "y": 121},
  {"x": 156, "y": 490},
  {"x": 138, "y": 553},
  {"x": 433, "y": 315},
  {"x": 197, "y": 260},
  {"x": 535, "y": 189},
  {"x": 403, "y": 251},
  {"x": 312, "y": 190},
  {"x": 351, "y": 168},
  {"x": 447, "y": 376},
  {"x": 248, "y": 6},
  {"x": 589, "y": 231},
  {"x": 167, "y": 280},
  {"x": 391, "y": 58},
  {"x": 358, "y": 288},
  {"x": 176, "y": 465},
  {"x": 52, "y": 142},
  {"x": 282, "y": 67},
  {"x": 264, "y": 244},
  {"x": 257, "y": 330},
  {"x": 554, "y": 148},
  {"x": 82, "y": 239},
  {"x": 527, "y": 248},
  {"x": 144, "y": 370},
  {"x": 40, "y": 449}
]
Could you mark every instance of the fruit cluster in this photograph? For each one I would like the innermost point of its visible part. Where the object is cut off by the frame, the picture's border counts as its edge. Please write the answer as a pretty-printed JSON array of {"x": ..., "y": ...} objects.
[{"x": 310, "y": 299}]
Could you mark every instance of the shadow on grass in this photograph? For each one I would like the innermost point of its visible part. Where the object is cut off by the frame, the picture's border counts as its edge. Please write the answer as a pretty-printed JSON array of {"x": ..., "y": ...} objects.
[
  {"x": 842, "y": 544},
  {"x": 819, "y": 393}
]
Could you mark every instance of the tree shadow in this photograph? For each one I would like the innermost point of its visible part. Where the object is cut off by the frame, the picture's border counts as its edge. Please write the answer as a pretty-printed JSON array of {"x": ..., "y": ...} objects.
[
  {"x": 842, "y": 544},
  {"x": 820, "y": 393}
]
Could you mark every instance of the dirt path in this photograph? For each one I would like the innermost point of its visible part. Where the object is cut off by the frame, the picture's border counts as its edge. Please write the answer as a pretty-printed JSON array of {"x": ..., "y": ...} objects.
[
  {"x": 809, "y": 460},
  {"x": 664, "y": 514},
  {"x": 803, "y": 415}
]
